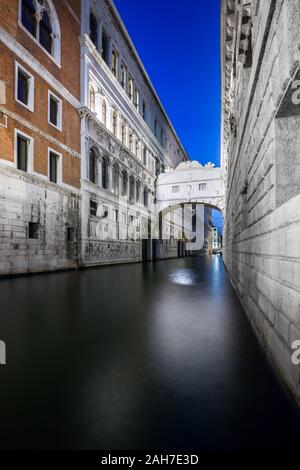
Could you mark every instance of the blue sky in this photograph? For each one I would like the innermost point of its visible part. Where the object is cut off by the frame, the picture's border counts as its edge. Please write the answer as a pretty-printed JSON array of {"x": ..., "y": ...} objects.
[{"x": 178, "y": 42}]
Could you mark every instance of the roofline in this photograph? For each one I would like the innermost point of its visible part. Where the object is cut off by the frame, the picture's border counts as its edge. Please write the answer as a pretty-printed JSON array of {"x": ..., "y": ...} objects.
[{"x": 113, "y": 9}]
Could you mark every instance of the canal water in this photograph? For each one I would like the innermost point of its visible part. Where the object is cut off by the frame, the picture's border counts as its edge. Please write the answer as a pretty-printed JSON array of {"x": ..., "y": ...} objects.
[{"x": 154, "y": 356}]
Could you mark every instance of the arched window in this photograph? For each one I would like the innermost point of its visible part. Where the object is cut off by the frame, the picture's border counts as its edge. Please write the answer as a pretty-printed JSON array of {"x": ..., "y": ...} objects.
[
  {"x": 93, "y": 29},
  {"x": 105, "y": 47},
  {"x": 123, "y": 137},
  {"x": 145, "y": 197},
  {"x": 93, "y": 166},
  {"x": 105, "y": 179},
  {"x": 138, "y": 191},
  {"x": 114, "y": 122},
  {"x": 40, "y": 19},
  {"x": 104, "y": 112},
  {"x": 124, "y": 182},
  {"x": 115, "y": 179},
  {"x": 28, "y": 16},
  {"x": 92, "y": 99},
  {"x": 46, "y": 32},
  {"x": 131, "y": 189}
]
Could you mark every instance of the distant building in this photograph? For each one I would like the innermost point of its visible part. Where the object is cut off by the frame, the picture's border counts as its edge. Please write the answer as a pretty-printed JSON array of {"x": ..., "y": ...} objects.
[{"x": 216, "y": 240}]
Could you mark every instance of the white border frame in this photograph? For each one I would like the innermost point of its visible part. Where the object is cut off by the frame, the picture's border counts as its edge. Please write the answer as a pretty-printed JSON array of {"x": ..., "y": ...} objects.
[
  {"x": 30, "y": 150},
  {"x": 59, "y": 110},
  {"x": 30, "y": 105},
  {"x": 59, "y": 167}
]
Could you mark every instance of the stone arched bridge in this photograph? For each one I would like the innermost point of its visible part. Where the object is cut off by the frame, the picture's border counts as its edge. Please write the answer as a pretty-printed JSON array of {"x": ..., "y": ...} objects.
[{"x": 191, "y": 183}]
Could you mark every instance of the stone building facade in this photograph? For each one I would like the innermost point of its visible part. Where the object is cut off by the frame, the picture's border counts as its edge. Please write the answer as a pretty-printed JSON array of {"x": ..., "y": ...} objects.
[
  {"x": 260, "y": 161},
  {"x": 126, "y": 140},
  {"x": 83, "y": 136},
  {"x": 39, "y": 135}
]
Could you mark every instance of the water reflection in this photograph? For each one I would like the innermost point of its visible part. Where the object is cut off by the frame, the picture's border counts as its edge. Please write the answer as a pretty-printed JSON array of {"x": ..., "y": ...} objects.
[
  {"x": 159, "y": 356},
  {"x": 185, "y": 277}
]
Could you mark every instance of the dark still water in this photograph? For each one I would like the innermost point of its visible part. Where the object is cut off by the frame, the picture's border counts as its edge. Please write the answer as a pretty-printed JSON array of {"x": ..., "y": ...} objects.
[{"x": 134, "y": 357}]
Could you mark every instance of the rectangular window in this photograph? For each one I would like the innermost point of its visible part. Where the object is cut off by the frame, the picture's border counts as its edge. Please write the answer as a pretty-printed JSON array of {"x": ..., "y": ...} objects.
[
  {"x": 93, "y": 208},
  {"x": 53, "y": 167},
  {"x": 22, "y": 152},
  {"x": 70, "y": 234},
  {"x": 175, "y": 189},
  {"x": 123, "y": 75},
  {"x": 202, "y": 186},
  {"x": 115, "y": 63},
  {"x": 144, "y": 111},
  {"x": 54, "y": 111},
  {"x": 33, "y": 230},
  {"x": 137, "y": 98},
  {"x": 24, "y": 92},
  {"x": 130, "y": 88}
]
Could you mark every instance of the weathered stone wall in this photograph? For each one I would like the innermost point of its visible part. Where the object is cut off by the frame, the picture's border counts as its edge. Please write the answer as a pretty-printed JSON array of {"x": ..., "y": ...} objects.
[
  {"x": 260, "y": 161},
  {"x": 25, "y": 198}
]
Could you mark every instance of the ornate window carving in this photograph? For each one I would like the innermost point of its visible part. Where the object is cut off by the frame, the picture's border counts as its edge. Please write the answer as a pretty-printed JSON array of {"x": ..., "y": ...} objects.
[{"x": 39, "y": 18}]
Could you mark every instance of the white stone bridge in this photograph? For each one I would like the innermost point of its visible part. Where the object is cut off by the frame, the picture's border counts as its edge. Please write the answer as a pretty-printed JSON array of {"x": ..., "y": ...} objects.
[{"x": 191, "y": 183}]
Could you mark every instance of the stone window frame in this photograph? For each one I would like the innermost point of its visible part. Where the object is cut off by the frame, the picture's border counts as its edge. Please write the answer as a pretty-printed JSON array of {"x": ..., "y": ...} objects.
[
  {"x": 59, "y": 166},
  {"x": 30, "y": 105},
  {"x": 59, "y": 110},
  {"x": 115, "y": 68},
  {"x": 123, "y": 68},
  {"x": 30, "y": 155}
]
